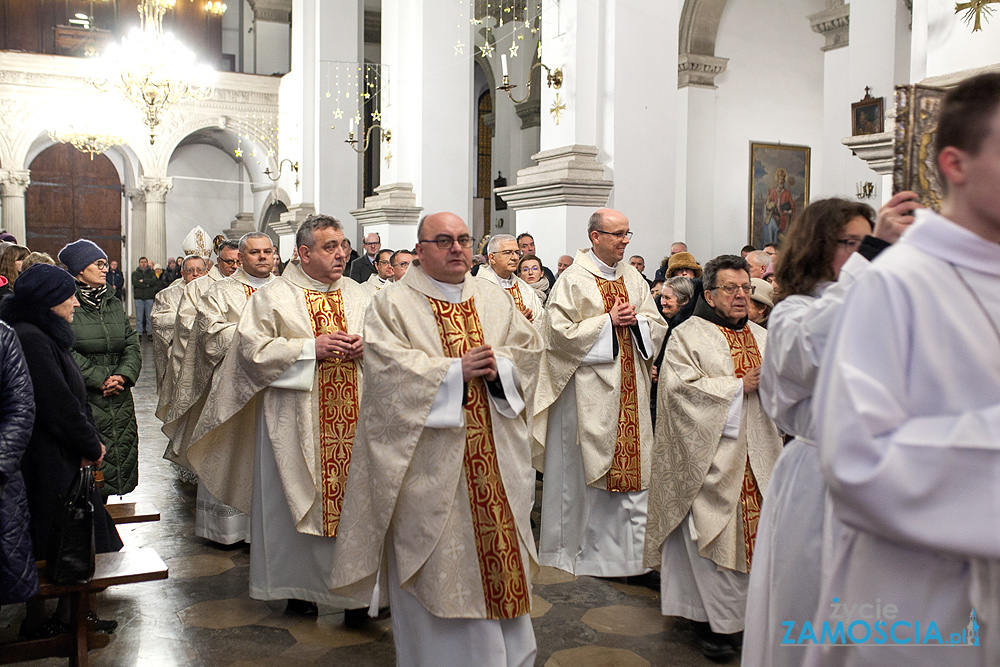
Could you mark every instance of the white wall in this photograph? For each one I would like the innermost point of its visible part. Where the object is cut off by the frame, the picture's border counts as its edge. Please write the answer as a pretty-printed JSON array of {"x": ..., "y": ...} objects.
[
  {"x": 212, "y": 205},
  {"x": 948, "y": 43},
  {"x": 772, "y": 91}
]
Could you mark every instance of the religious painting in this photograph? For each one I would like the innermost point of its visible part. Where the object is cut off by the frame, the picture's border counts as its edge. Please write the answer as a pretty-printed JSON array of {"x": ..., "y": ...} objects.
[
  {"x": 915, "y": 164},
  {"x": 867, "y": 115},
  {"x": 779, "y": 189}
]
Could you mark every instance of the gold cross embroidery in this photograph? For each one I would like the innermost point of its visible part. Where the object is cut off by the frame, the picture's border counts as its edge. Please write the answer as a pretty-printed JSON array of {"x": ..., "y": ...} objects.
[{"x": 974, "y": 10}]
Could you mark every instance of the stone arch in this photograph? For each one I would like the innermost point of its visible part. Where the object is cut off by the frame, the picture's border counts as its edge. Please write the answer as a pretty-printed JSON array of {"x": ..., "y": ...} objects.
[{"x": 697, "y": 64}]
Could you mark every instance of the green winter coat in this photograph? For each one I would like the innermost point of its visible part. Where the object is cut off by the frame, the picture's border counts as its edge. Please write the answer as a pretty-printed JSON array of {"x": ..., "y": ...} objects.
[{"x": 106, "y": 344}]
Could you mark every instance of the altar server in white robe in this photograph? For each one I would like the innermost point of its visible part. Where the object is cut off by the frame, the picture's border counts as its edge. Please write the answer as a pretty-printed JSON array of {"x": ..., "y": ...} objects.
[
  {"x": 907, "y": 411},
  {"x": 503, "y": 255},
  {"x": 218, "y": 312},
  {"x": 712, "y": 459},
  {"x": 227, "y": 256},
  {"x": 275, "y": 438},
  {"x": 592, "y": 408},
  {"x": 164, "y": 312},
  {"x": 437, "y": 505},
  {"x": 826, "y": 249},
  {"x": 383, "y": 272}
]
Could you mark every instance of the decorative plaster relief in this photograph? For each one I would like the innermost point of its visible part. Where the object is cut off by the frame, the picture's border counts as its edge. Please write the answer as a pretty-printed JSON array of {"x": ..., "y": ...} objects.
[
  {"x": 698, "y": 70},
  {"x": 834, "y": 24}
]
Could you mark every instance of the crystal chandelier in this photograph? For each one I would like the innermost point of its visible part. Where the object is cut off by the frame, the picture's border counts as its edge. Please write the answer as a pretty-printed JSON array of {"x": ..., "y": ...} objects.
[
  {"x": 153, "y": 70},
  {"x": 87, "y": 141},
  {"x": 217, "y": 8}
]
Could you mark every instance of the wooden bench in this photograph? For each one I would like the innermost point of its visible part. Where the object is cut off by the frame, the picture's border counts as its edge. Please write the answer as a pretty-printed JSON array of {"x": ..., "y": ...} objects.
[
  {"x": 113, "y": 569},
  {"x": 139, "y": 512}
]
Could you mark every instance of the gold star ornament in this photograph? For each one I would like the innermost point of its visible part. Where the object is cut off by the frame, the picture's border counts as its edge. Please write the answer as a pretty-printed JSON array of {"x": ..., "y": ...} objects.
[{"x": 558, "y": 106}]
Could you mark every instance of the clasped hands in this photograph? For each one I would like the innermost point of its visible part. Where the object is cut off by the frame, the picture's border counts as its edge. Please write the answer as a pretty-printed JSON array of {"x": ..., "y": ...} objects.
[
  {"x": 113, "y": 385},
  {"x": 479, "y": 362},
  {"x": 623, "y": 314},
  {"x": 339, "y": 345}
]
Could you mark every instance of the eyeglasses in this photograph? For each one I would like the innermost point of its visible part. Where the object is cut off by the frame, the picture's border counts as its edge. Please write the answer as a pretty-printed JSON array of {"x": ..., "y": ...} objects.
[
  {"x": 849, "y": 244},
  {"x": 618, "y": 235},
  {"x": 101, "y": 264},
  {"x": 372, "y": 243},
  {"x": 228, "y": 262},
  {"x": 383, "y": 262},
  {"x": 508, "y": 253},
  {"x": 401, "y": 265},
  {"x": 446, "y": 242},
  {"x": 732, "y": 289}
]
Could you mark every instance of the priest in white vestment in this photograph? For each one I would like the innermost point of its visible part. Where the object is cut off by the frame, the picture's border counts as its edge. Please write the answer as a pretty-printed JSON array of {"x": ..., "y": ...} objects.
[
  {"x": 714, "y": 452},
  {"x": 383, "y": 273},
  {"x": 826, "y": 249},
  {"x": 592, "y": 408},
  {"x": 907, "y": 410},
  {"x": 437, "y": 505},
  {"x": 218, "y": 312},
  {"x": 164, "y": 312},
  {"x": 275, "y": 438},
  {"x": 228, "y": 258},
  {"x": 503, "y": 255}
]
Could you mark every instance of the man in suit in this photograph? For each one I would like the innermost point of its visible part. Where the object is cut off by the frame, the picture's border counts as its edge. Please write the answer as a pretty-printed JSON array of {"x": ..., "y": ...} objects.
[{"x": 364, "y": 266}]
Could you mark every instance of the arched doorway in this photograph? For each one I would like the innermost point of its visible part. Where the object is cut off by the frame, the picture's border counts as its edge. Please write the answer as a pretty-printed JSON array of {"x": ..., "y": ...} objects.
[{"x": 73, "y": 197}]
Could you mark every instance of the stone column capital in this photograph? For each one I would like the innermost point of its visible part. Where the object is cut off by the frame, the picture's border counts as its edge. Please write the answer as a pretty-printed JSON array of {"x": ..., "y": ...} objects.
[
  {"x": 694, "y": 69},
  {"x": 13, "y": 182},
  {"x": 136, "y": 195},
  {"x": 834, "y": 24},
  {"x": 155, "y": 188},
  {"x": 564, "y": 176},
  {"x": 276, "y": 11}
]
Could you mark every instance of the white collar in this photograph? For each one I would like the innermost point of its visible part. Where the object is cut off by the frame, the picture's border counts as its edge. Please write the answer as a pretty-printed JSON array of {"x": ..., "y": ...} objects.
[
  {"x": 451, "y": 291},
  {"x": 256, "y": 282},
  {"x": 607, "y": 271},
  {"x": 505, "y": 283}
]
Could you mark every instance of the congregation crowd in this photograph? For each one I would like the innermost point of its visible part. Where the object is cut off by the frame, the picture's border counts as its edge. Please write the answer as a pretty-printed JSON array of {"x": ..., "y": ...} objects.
[{"x": 761, "y": 436}]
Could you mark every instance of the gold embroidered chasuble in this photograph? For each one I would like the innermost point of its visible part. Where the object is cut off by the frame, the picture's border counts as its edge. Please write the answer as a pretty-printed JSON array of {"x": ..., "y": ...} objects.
[
  {"x": 187, "y": 310},
  {"x": 625, "y": 474},
  {"x": 521, "y": 292},
  {"x": 437, "y": 494},
  {"x": 695, "y": 469},
  {"x": 576, "y": 315},
  {"x": 267, "y": 341},
  {"x": 504, "y": 585},
  {"x": 162, "y": 318},
  {"x": 337, "y": 394},
  {"x": 218, "y": 311}
]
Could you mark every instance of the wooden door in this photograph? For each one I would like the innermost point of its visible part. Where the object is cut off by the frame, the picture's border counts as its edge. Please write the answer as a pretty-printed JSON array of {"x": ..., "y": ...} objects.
[{"x": 73, "y": 197}]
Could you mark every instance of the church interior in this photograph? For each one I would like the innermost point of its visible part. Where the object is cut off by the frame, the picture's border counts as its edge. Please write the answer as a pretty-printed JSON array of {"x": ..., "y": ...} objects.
[{"x": 520, "y": 116}]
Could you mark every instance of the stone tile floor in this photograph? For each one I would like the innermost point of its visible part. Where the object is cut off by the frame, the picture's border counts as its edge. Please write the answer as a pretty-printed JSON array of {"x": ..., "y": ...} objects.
[{"x": 203, "y": 616}]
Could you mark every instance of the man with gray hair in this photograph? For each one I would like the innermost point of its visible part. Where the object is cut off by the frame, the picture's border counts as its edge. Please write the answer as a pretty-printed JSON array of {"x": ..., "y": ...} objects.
[
  {"x": 711, "y": 461},
  {"x": 503, "y": 255},
  {"x": 218, "y": 311},
  {"x": 276, "y": 439},
  {"x": 593, "y": 390},
  {"x": 758, "y": 261}
]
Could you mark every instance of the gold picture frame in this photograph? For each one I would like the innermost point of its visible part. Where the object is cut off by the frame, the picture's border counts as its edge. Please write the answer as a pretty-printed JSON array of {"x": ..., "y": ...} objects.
[
  {"x": 779, "y": 189},
  {"x": 915, "y": 162}
]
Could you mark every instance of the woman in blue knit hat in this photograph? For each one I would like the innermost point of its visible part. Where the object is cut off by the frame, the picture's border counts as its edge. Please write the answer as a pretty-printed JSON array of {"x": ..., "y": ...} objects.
[{"x": 108, "y": 352}]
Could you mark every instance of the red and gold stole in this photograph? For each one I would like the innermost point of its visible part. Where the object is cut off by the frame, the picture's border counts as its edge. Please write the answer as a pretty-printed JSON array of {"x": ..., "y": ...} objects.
[
  {"x": 248, "y": 290},
  {"x": 504, "y": 584},
  {"x": 515, "y": 292},
  {"x": 625, "y": 474},
  {"x": 746, "y": 355},
  {"x": 337, "y": 382}
]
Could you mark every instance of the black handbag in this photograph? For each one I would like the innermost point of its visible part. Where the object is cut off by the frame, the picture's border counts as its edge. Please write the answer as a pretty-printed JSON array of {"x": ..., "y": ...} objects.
[{"x": 70, "y": 556}]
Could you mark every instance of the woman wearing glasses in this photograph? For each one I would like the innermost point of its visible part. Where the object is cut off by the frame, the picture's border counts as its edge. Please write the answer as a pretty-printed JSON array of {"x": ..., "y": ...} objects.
[
  {"x": 107, "y": 351},
  {"x": 824, "y": 252}
]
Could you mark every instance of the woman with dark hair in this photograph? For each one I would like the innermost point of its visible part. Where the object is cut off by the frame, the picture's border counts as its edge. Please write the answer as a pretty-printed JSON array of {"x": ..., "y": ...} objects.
[
  {"x": 826, "y": 249},
  {"x": 529, "y": 269},
  {"x": 108, "y": 353},
  {"x": 10, "y": 266},
  {"x": 64, "y": 436}
]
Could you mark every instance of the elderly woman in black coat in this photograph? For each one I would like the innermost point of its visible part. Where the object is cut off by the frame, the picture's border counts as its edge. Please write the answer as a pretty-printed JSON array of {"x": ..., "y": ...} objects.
[
  {"x": 18, "y": 575},
  {"x": 64, "y": 437}
]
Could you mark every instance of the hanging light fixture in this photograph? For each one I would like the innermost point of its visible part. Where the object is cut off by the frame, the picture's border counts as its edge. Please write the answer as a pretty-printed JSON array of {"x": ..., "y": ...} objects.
[
  {"x": 217, "y": 8},
  {"x": 152, "y": 69}
]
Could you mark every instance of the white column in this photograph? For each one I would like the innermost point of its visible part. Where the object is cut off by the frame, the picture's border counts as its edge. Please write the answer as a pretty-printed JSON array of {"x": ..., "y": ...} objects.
[
  {"x": 619, "y": 119},
  {"x": 155, "y": 192},
  {"x": 324, "y": 33},
  {"x": 13, "y": 183},
  {"x": 427, "y": 46},
  {"x": 137, "y": 244}
]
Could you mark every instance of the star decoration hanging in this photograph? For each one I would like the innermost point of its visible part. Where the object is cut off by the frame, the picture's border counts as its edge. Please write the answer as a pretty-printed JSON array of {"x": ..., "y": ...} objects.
[
  {"x": 486, "y": 51},
  {"x": 239, "y": 152},
  {"x": 376, "y": 116},
  {"x": 338, "y": 113},
  {"x": 974, "y": 12},
  {"x": 513, "y": 50},
  {"x": 459, "y": 48},
  {"x": 557, "y": 108}
]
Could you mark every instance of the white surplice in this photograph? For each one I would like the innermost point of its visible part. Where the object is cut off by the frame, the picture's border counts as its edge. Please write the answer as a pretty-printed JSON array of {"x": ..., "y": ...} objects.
[
  {"x": 787, "y": 561},
  {"x": 908, "y": 417}
]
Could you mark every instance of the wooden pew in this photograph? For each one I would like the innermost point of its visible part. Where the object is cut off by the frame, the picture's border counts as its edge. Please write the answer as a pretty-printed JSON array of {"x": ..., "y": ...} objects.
[
  {"x": 139, "y": 512},
  {"x": 113, "y": 569}
]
